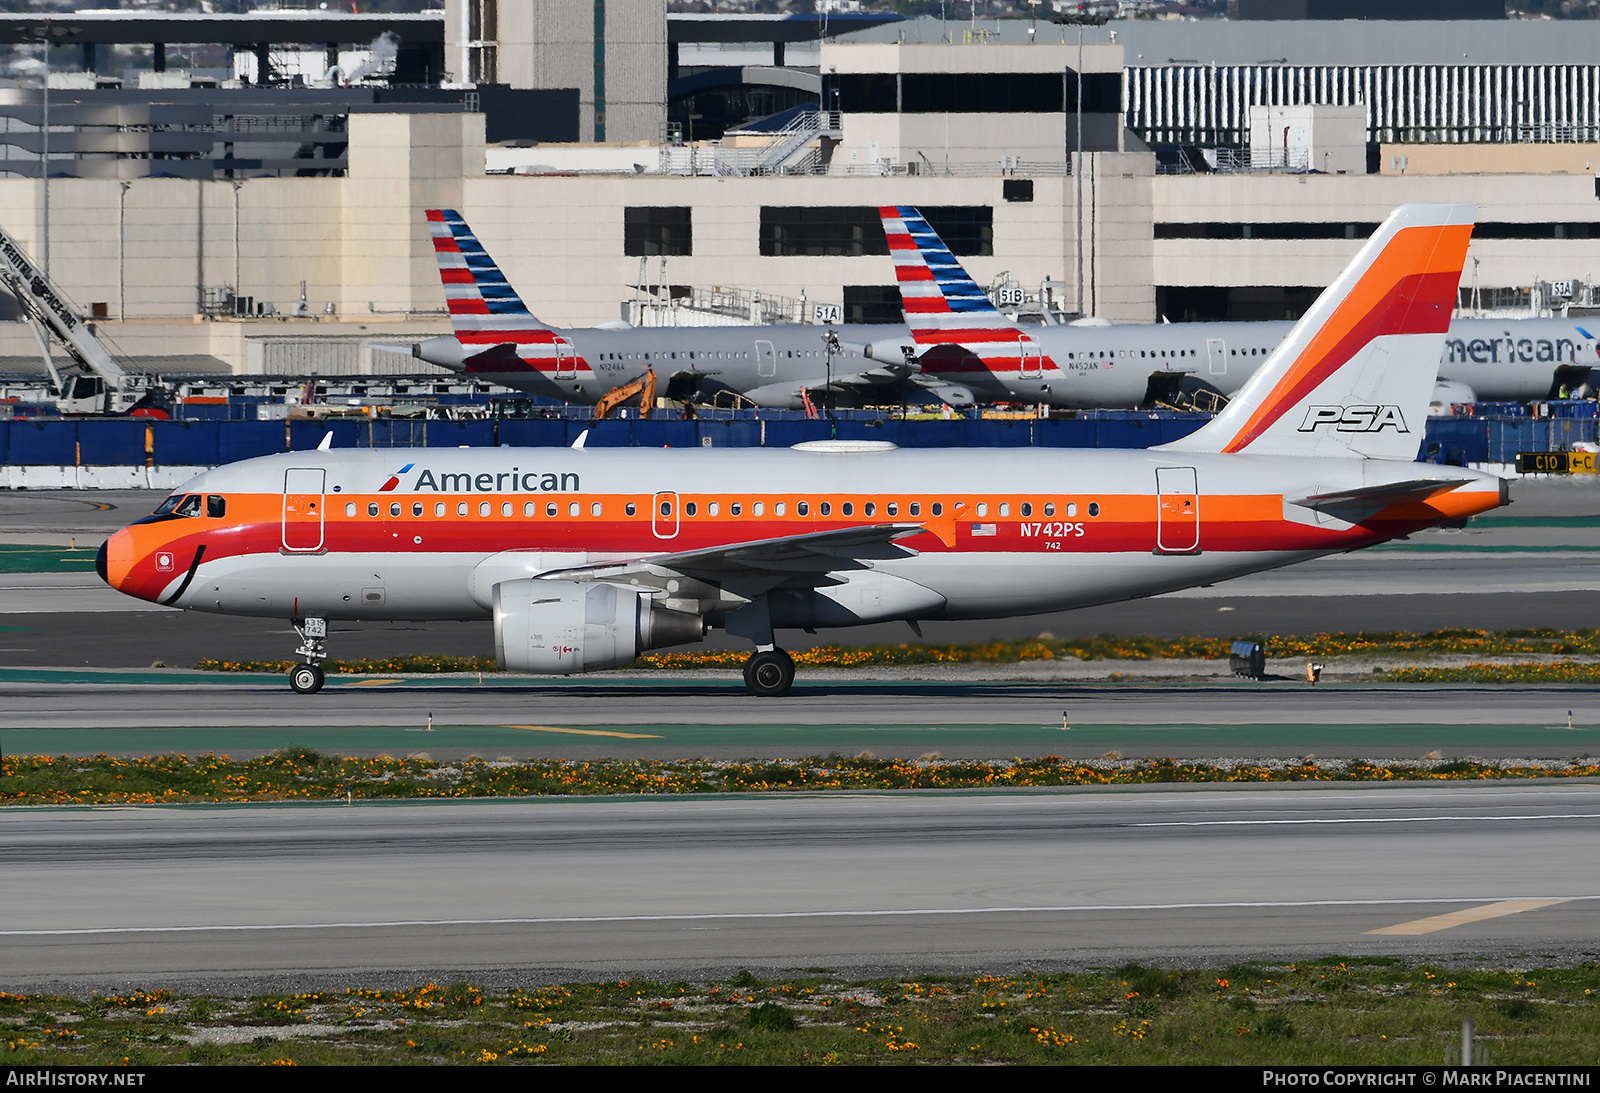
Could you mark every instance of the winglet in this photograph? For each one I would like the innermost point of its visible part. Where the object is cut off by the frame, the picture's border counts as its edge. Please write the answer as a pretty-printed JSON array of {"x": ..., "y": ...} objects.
[
  {"x": 578, "y": 444},
  {"x": 327, "y": 441}
]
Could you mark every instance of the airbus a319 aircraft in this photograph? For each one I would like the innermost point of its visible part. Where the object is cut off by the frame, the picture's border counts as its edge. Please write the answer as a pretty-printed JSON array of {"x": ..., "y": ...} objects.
[
  {"x": 961, "y": 336},
  {"x": 584, "y": 559}
]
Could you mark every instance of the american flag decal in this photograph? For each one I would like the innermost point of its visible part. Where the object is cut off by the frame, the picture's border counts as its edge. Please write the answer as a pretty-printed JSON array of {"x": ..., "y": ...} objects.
[{"x": 984, "y": 529}]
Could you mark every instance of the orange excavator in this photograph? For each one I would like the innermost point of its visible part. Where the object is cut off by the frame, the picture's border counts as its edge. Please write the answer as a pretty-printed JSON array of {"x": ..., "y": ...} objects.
[{"x": 644, "y": 387}]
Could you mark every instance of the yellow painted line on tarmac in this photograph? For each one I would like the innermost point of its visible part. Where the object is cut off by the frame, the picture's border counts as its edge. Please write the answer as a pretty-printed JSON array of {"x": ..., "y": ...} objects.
[
  {"x": 370, "y": 682},
  {"x": 588, "y": 732},
  {"x": 1471, "y": 914}
]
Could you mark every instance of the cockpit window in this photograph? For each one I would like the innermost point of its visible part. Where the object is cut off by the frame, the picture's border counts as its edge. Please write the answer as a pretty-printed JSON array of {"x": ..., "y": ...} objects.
[
  {"x": 216, "y": 507},
  {"x": 169, "y": 504},
  {"x": 189, "y": 506}
]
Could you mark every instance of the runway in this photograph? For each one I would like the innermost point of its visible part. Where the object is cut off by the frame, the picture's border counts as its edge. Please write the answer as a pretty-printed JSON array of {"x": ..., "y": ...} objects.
[{"x": 506, "y": 891}]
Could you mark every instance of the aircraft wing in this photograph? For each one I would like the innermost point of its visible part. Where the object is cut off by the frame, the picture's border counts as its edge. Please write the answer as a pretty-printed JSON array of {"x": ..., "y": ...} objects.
[
  {"x": 801, "y": 559},
  {"x": 1376, "y": 497}
]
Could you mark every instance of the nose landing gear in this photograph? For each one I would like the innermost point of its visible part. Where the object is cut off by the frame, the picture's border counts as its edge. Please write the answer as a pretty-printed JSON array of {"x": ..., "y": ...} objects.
[
  {"x": 769, "y": 673},
  {"x": 306, "y": 678}
]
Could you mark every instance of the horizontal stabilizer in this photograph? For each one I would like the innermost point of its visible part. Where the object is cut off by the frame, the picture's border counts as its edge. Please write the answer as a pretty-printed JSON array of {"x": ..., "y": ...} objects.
[{"x": 1382, "y": 496}]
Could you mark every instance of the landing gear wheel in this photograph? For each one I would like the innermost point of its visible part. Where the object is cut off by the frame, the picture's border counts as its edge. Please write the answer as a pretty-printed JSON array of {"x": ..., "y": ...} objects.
[
  {"x": 769, "y": 674},
  {"x": 305, "y": 679}
]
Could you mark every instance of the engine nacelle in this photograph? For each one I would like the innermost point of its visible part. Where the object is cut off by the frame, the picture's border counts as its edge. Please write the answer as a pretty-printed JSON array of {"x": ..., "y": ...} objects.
[
  {"x": 891, "y": 350},
  {"x": 564, "y": 627}
]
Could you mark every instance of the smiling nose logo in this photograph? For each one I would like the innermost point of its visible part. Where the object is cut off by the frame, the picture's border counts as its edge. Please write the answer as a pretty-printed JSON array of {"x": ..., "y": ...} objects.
[
  {"x": 394, "y": 479},
  {"x": 164, "y": 562}
]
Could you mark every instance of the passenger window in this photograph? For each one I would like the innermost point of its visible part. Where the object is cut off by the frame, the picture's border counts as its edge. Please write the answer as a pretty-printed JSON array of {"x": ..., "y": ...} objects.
[
  {"x": 394, "y": 508},
  {"x": 916, "y": 508},
  {"x": 666, "y": 508},
  {"x": 777, "y": 510},
  {"x": 938, "y": 509},
  {"x": 848, "y": 509},
  {"x": 983, "y": 508},
  {"x": 350, "y": 508},
  {"x": 894, "y": 509},
  {"x": 802, "y": 508},
  {"x": 1027, "y": 509},
  {"x": 217, "y": 507},
  {"x": 438, "y": 508},
  {"x": 529, "y": 508},
  {"x": 550, "y": 509},
  {"x": 630, "y": 508},
  {"x": 416, "y": 508},
  {"x": 372, "y": 508},
  {"x": 1072, "y": 509},
  {"x": 572, "y": 508},
  {"x": 825, "y": 508},
  {"x": 712, "y": 509},
  {"x": 1005, "y": 508},
  {"x": 1094, "y": 508},
  {"x": 760, "y": 507},
  {"x": 483, "y": 508},
  {"x": 690, "y": 508},
  {"x": 594, "y": 508},
  {"x": 461, "y": 509},
  {"x": 734, "y": 509},
  {"x": 1050, "y": 508},
  {"x": 505, "y": 508},
  {"x": 869, "y": 509}
]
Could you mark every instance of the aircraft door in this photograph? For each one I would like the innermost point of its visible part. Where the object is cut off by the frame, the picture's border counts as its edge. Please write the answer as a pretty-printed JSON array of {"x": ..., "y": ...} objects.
[
  {"x": 1217, "y": 356},
  {"x": 766, "y": 360},
  {"x": 302, "y": 509},
  {"x": 566, "y": 360},
  {"x": 664, "y": 515},
  {"x": 1032, "y": 358},
  {"x": 1177, "y": 511}
]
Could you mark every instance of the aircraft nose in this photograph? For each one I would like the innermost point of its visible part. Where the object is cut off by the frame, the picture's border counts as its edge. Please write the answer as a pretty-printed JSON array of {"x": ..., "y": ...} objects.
[{"x": 100, "y": 562}]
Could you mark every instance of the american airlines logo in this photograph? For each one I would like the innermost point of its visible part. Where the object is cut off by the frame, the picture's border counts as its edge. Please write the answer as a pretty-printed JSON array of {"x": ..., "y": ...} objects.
[
  {"x": 394, "y": 479},
  {"x": 1354, "y": 419}
]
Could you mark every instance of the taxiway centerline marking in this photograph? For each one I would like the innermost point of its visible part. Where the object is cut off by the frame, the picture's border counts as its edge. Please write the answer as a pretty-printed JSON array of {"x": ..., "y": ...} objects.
[
  {"x": 1470, "y": 914},
  {"x": 588, "y": 732},
  {"x": 734, "y": 916}
]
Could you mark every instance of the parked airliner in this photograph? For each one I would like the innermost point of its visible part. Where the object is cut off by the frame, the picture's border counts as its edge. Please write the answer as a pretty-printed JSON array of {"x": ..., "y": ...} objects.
[
  {"x": 497, "y": 339},
  {"x": 1078, "y": 365},
  {"x": 585, "y": 558}
]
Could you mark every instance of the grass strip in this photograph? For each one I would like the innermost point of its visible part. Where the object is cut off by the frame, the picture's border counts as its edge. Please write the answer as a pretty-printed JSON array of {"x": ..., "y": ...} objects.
[
  {"x": 1351, "y": 1011},
  {"x": 1489, "y": 643},
  {"x": 302, "y": 774},
  {"x": 1563, "y": 671}
]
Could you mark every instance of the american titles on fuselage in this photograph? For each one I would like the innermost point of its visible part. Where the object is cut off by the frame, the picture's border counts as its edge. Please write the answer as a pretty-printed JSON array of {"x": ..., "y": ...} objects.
[
  {"x": 495, "y": 482},
  {"x": 1527, "y": 350}
]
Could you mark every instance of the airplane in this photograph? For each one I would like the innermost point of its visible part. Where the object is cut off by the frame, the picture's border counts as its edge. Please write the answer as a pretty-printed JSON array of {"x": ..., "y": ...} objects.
[
  {"x": 497, "y": 339},
  {"x": 960, "y": 335},
  {"x": 584, "y": 559}
]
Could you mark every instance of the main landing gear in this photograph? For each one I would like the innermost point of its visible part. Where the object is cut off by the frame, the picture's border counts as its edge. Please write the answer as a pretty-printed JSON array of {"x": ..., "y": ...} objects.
[
  {"x": 769, "y": 673},
  {"x": 306, "y": 678}
]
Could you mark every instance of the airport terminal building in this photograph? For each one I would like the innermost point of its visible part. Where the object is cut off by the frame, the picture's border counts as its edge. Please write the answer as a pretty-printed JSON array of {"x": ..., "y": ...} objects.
[{"x": 1209, "y": 184}]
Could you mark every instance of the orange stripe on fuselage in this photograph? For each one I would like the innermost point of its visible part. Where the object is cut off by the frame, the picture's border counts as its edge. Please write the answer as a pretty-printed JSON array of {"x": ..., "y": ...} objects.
[{"x": 1127, "y": 523}]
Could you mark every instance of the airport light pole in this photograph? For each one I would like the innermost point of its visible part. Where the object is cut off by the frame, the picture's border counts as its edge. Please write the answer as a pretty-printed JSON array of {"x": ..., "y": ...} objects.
[{"x": 1079, "y": 19}]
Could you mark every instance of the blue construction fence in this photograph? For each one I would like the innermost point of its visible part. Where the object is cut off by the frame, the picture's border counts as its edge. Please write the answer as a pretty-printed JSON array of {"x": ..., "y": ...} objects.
[{"x": 127, "y": 442}]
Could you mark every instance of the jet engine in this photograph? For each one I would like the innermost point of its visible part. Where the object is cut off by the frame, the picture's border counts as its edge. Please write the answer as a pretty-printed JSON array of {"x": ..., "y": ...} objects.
[
  {"x": 564, "y": 627},
  {"x": 891, "y": 350}
]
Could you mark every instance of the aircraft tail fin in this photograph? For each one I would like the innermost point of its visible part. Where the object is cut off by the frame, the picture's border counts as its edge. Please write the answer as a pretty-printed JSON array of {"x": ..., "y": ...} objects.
[
  {"x": 943, "y": 305},
  {"x": 478, "y": 294},
  {"x": 1354, "y": 375}
]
